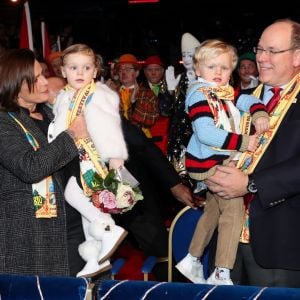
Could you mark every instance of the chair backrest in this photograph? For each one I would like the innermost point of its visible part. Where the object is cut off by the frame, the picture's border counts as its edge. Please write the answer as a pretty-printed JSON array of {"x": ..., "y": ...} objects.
[
  {"x": 153, "y": 290},
  {"x": 43, "y": 287},
  {"x": 180, "y": 236}
]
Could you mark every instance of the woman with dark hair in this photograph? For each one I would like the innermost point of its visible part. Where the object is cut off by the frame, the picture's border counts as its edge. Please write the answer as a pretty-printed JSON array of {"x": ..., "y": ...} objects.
[{"x": 40, "y": 233}]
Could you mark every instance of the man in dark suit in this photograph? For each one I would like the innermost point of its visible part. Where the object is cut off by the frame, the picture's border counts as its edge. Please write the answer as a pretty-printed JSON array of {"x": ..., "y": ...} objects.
[
  {"x": 145, "y": 222},
  {"x": 272, "y": 256}
]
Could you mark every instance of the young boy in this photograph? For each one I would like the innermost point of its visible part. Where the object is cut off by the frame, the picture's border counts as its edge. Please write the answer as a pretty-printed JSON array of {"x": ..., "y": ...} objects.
[{"x": 217, "y": 139}]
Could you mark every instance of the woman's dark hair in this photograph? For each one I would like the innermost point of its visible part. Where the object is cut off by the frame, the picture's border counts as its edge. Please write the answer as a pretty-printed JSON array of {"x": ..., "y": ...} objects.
[{"x": 16, "y": 68}]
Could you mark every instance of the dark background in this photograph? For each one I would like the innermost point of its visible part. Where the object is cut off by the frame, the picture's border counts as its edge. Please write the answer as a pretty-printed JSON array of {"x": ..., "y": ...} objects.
[{"x": 113, "y": 27}]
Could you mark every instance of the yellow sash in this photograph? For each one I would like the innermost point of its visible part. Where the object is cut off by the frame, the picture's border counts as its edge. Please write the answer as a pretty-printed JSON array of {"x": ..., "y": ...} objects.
[
  {"x": 90, "y": 160},
  {"x": 43, "y": 192},
  {"x": 249, "y": 160}
]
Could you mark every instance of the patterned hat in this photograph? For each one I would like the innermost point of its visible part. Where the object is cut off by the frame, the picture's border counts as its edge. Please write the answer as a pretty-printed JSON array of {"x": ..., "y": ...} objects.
[{"x": 188, "y": 42}]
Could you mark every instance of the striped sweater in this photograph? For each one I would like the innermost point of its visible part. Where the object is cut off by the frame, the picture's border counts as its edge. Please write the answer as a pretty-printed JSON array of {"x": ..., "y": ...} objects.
[{"x": 211, "y": 145}]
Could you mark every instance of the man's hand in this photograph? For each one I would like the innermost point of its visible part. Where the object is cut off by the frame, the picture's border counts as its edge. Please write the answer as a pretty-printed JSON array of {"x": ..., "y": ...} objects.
[
  {"x": 172, "y": 82},
  {"x": 183, "y": 194},
  {"x": 228, "y": 182}
]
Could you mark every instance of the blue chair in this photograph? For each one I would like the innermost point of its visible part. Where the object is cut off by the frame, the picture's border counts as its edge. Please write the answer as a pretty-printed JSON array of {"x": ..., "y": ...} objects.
[
  {"x": 180, "y": 236},
  {"x": 146, "y": 268},
  {"x": 117, "y": 265}
]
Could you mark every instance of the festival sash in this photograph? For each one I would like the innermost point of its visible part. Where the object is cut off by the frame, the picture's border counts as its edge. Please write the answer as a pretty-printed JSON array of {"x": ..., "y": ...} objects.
[
  {"x": 43, "y": 192},
  {"x": 249, "y": 160},
  {"x": 90, "y": 160}
]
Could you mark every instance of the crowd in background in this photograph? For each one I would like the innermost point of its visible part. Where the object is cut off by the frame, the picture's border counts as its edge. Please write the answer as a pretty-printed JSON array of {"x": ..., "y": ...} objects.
[{"x": 152, "y": 97}]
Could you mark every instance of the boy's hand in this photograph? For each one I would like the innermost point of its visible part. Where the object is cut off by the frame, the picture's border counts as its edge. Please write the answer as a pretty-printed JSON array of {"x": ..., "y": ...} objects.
[
  {"x": 262, "y": 125},
  {"x": 253, "y": 142}
]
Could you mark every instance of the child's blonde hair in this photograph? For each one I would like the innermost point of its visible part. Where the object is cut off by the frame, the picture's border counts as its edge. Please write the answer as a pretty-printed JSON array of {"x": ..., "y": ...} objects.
[
  {"x": 212, "y": 48},
  {"x": 86, "y": 50}
]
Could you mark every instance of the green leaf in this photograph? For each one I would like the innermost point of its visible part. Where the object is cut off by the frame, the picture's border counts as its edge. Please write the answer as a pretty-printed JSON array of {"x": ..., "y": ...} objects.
[
  {"x": 110, "y": 179},
  {"x": 98, "y": 178}
]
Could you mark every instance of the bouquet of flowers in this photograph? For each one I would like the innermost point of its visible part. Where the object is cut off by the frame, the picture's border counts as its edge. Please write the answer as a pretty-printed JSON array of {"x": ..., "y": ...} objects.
[{"x": 114, "y": 194}]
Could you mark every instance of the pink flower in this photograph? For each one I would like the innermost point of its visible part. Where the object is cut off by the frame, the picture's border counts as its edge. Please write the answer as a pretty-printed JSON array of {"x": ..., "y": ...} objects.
[
  {"x": 110, "y": 195},
  {"x": 108, "y": 199}
]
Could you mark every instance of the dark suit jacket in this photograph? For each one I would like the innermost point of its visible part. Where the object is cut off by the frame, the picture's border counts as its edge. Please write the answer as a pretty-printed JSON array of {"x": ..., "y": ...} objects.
[
  {"x": 275, "y": 210},
  {"x": 156, "y": 176},
  {"x": 29, "y": 245}
]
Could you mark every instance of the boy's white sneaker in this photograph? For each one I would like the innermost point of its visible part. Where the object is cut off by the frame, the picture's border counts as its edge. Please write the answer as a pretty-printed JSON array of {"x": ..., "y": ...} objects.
[
  {"x": 216, "y": 279},
  {"x": 191, "y": 268}
]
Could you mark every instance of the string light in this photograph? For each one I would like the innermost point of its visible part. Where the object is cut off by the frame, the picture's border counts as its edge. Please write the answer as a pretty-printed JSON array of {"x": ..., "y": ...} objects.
[{"x": 142, "y": 1}]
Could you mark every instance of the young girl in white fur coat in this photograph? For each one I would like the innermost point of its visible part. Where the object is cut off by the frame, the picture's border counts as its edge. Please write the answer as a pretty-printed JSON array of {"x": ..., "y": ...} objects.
[{"x": 101, "y": 111}]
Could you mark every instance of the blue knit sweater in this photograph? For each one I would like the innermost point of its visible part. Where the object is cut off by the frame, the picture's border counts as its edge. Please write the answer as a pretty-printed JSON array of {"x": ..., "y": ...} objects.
[{"x": 210, "y": 146}]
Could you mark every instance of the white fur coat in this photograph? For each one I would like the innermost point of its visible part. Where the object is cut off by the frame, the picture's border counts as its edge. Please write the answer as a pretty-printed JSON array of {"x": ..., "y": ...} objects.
[{"x": 102, "y": 119}]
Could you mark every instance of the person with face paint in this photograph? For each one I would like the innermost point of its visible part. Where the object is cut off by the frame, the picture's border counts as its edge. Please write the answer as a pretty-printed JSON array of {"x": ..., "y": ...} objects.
[{"x": 180, "y": 128}]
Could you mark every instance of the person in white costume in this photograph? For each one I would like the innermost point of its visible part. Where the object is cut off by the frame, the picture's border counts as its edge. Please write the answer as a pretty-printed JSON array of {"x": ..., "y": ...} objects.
[
  {"x": 180, "y": 128},
  {"x": 101, "y": 110}
]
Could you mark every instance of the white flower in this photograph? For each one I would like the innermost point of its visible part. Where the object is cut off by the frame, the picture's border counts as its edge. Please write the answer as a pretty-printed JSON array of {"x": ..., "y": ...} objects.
[{"x": 125, "y": 196}]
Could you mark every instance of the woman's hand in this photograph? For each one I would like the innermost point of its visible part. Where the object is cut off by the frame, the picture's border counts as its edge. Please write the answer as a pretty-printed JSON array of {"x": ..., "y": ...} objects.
[{"x": 78, "y": 129}]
